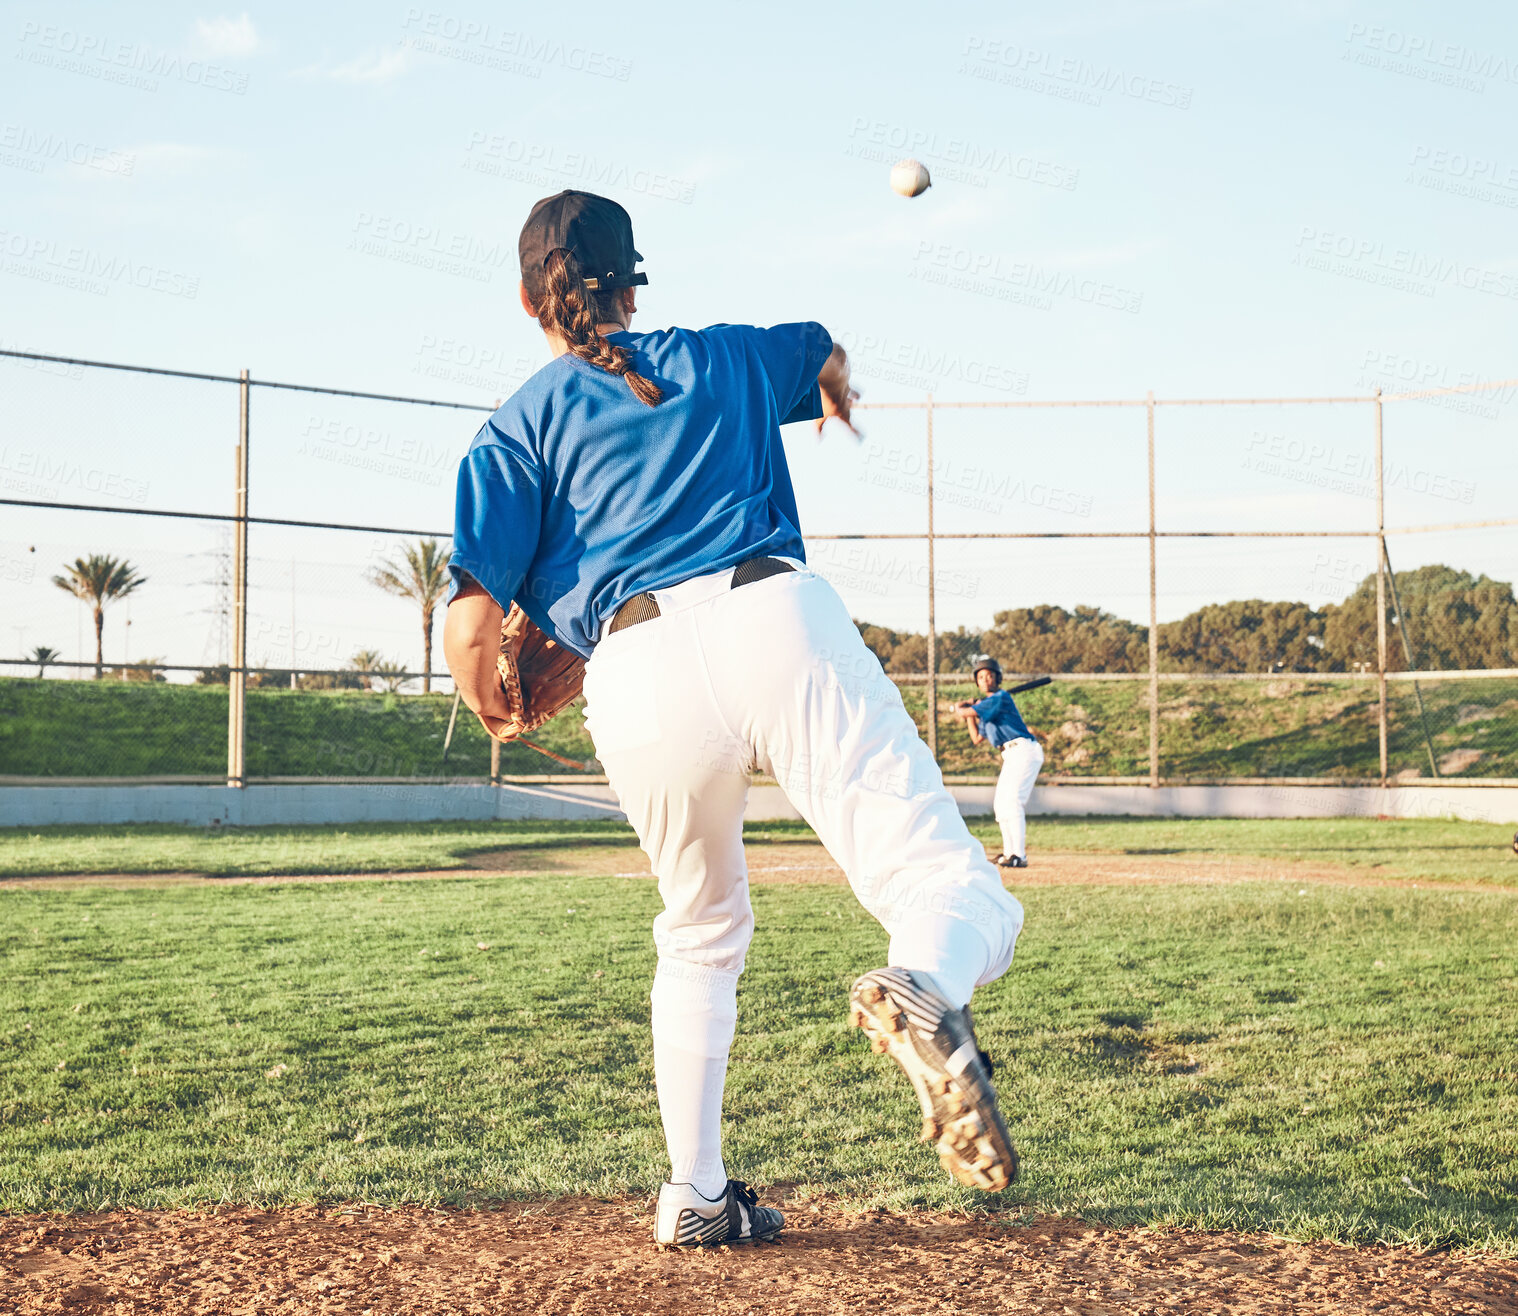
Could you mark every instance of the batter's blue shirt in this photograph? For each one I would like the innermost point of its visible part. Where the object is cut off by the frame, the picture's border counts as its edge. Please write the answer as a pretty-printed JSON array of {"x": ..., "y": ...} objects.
[
  {"x": 575, "y": 495},
  {"x": 1000, "y": 722}
]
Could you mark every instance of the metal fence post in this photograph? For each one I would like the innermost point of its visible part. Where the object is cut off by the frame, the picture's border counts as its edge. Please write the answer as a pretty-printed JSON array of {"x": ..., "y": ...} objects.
[
  {"x": 237, "y": 673},
  {"x": 1154, "y": 613},
  {"x": 1381, "y": 712},
  {"x": 932, "y": 606},
  {"x": 495, "y": 761}
]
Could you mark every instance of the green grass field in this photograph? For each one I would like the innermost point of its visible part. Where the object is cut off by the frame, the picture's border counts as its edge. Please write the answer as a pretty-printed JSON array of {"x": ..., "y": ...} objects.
[
  {"x": 1335, "y": 1064},
  {"x": 1431, "y": 849},
  {"x": 1322, "y": 1062},
  {"x": 1284, "y": 727}
]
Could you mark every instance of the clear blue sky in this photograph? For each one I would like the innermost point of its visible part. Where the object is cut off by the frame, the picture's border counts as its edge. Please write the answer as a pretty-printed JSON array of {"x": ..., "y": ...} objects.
[{"x": 1198, "y": 199}]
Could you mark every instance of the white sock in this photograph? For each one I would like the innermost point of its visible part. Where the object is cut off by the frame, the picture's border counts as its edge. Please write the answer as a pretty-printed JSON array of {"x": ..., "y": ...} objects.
[
  {"x": 951, "y": 949},
  {"x": 695, "y": 1011}
]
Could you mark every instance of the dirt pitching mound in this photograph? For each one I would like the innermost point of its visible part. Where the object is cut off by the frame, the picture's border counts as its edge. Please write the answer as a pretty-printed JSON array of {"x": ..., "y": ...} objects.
[{"x": 597, "y": 1257}]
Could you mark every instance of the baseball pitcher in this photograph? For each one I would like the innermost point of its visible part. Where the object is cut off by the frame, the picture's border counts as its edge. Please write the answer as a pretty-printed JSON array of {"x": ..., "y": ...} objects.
[
  {"x": 629, "y": 510},
  {"x": 993, "y": 719}
]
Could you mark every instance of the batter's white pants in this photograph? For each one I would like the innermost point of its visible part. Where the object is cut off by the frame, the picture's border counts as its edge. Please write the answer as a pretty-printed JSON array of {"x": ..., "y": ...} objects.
[
  {"x": 774, "y": 676},
  {"x": 1021, "y": 760}
]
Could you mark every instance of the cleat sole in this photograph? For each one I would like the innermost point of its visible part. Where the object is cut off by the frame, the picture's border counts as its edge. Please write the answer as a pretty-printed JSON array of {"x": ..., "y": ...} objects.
[{"x": 959, "y": 1112}]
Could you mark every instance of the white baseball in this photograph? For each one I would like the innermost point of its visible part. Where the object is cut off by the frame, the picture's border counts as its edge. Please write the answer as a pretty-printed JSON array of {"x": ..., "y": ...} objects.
[{"x": 910, "y": 178}]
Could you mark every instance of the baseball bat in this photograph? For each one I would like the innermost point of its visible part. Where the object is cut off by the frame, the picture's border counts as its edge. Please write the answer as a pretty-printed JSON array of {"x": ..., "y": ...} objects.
[{"x": 1030, "y": 685}]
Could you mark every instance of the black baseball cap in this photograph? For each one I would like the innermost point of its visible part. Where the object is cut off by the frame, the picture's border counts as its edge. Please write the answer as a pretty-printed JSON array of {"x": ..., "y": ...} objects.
[
  {"x": 985, "y": 663},
  {"x": 594, "y": 228}
]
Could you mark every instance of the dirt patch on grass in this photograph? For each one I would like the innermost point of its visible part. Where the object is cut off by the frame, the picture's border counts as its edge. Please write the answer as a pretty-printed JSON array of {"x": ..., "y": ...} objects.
[
  {"x": 807, "y": 863},
  {"x": 578, "y": 1256}
]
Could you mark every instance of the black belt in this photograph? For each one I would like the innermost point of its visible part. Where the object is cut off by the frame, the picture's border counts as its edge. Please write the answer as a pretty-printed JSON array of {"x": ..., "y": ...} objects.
[{"x": 644, "y": 607}]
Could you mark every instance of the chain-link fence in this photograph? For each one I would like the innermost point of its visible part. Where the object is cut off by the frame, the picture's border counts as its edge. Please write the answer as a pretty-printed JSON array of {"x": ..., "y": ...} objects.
[{"x": 226, "y": 579}]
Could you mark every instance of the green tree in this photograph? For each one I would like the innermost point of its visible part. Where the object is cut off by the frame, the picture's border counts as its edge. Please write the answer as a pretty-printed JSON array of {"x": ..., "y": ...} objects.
[
  {"x": 1245, "y": 635},
  {"x": 907, "y": 651},
  {"x": 419, "y": 573},
  {"x": 957, "y": 649},
  {"x": 369, "y": 664},
  {"x": 42, "y": 656},
  {"x": 1452, "y": 619},
  {"x": 392, "y": 675},
  {"x": 270, "y": 678},
  {"x": 879, "y": 640},
  {"x": 1047, "y": 638},
  {"x": 99, "y": 580},
  {"x": 148, "y": 671},
  {"x": 331, "y": 681}
]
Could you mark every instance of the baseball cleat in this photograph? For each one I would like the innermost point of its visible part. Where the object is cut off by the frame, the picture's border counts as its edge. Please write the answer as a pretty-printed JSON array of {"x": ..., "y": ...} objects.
[
  {"x": 904, "y": 1015},
  {"x": 687, "y": 1219}
]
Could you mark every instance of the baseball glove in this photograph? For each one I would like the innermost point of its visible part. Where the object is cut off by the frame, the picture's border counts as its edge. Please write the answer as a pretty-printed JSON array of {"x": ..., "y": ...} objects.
[{"x": 539, "y": 676}]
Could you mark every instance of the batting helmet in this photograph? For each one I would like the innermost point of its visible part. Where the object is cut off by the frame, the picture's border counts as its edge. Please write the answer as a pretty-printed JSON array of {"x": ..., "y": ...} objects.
[{"x": 984, "y": 662}]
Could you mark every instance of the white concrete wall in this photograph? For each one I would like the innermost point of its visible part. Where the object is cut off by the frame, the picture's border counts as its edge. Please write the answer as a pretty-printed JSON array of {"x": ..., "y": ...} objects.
[
  {"x": 203, "y": 806},
  {"x": 1494, "y": 804}
]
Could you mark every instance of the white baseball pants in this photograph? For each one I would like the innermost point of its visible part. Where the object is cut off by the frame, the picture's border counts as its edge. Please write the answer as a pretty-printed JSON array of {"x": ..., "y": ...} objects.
[
  {"x": 774, "y": 676},
  {"x": 1021, "y": 760}
]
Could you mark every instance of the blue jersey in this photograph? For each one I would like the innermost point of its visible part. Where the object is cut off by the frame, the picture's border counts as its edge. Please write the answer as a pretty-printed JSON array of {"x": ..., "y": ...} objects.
[
  {"x": 575, "y": 495},
  {"x": 1000, "y": 722}
]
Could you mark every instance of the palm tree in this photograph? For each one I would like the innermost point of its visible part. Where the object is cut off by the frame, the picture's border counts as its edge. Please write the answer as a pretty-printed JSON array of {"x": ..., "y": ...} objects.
[
  {"x": 391, "y": 674},
  {"x": 98, "y": 580},
  {"x": 367, "y": 662},
  {"x": 419, "y": 573},
  {"x": 42, "y": 656}
]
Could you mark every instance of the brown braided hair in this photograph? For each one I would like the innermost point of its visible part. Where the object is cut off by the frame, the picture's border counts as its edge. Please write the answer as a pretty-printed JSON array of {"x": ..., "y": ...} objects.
[{"x": 566, "y": 307}]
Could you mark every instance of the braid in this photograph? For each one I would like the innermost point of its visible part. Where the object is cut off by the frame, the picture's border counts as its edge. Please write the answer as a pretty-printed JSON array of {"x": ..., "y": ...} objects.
[{"x": 571, "y": 310}]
